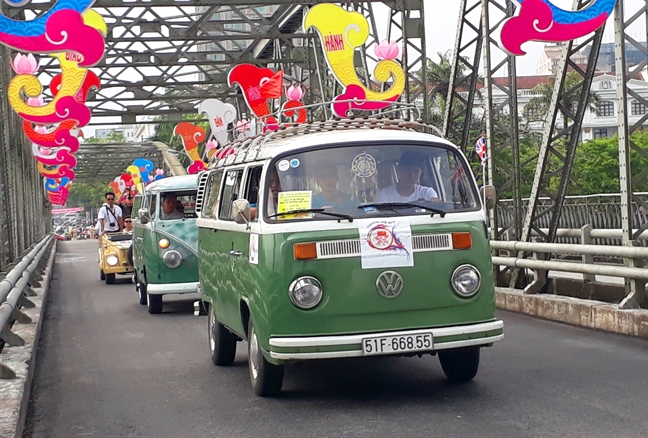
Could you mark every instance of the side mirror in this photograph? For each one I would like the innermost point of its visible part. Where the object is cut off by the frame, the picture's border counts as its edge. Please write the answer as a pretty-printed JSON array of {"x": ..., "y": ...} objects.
[
  {"x": 241, "y": 211},
  {"x": 489, "y": 197},
  {"x": 143, "y": 215}
]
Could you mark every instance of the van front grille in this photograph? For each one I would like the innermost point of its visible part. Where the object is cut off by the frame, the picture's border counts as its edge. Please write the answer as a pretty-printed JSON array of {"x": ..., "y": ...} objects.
[
  {"x": 334, "y": 249},
  {"x": 338, "y": 248},
  {"x": 429, "y": 242},
  {"x": 200, "y": 196}
]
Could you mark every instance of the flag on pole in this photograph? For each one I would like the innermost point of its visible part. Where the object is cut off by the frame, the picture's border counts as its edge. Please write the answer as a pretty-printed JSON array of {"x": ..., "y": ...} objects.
[{"x": 480, "y": 147}]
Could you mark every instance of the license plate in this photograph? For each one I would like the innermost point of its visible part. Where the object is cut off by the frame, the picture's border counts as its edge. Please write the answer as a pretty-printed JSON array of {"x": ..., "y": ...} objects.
[{"x": 397, "y": 344}]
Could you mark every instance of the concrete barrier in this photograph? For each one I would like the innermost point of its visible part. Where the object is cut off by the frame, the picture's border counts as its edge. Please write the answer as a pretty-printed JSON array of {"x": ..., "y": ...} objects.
[
  {"x": 575, "y": 311},
  {"x": 14, "y": 393}
]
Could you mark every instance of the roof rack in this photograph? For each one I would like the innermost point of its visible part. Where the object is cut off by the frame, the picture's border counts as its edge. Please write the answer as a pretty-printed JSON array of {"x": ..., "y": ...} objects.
[{"x": 247, "y": 148}]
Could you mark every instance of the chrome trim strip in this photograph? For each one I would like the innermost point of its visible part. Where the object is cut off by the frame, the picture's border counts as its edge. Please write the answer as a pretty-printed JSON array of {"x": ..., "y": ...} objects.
[
  {"x": 358, "y": 353},
  {"x": 325, "y": 341},
  {"x": 172, "y": 288}
]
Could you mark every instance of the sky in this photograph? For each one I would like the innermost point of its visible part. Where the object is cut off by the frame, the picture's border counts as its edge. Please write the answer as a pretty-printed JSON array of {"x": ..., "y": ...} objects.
[{"x": 441, "y": 19}]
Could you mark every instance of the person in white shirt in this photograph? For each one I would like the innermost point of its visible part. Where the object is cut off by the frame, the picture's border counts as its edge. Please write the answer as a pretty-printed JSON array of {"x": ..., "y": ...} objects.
[
  {"x": 407, "y": 189},
  {"x": 110, "y": 216}
]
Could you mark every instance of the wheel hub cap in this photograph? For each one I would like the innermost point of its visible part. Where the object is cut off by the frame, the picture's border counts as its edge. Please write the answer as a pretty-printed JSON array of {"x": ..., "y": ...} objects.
[
  {"x": 254, "y": 356},
  {"x": 212, "y": 324}
]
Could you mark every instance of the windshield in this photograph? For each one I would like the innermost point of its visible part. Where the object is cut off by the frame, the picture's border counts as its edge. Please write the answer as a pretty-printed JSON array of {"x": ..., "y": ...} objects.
[{"x": 364, "y": 181}]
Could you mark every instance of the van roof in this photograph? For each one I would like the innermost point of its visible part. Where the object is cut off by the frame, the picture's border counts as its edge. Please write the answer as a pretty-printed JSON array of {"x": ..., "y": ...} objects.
[
  {"x": 184, "y": 182},
  {"x": 326, "y": 133}
]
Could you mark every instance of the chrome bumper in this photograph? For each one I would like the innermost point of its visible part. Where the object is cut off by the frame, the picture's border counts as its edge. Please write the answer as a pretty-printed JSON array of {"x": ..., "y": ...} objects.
[
  {"x": 293, "y": 347},
  {"x": 172, "y": 288}
]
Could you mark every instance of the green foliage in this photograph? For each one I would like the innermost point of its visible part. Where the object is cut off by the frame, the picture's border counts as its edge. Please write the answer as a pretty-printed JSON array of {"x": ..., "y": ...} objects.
[
  {"x": 113, "y": 137},
  {"x": 87, "y": 195},
  {"x": 536, "y": 109},
  {"x": 595, "y": 169},
  {"x": 596, "y": 166}
]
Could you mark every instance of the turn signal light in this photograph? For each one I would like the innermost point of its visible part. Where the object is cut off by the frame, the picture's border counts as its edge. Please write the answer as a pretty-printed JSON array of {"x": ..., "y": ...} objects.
[
  {"x": 461, "y": 241},
  {"x": 305, "y": 251},
  {"x": 164, "y": 243}
]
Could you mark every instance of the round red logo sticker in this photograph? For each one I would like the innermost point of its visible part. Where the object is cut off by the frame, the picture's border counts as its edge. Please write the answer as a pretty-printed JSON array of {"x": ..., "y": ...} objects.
[{"x": 380, "y": 238}]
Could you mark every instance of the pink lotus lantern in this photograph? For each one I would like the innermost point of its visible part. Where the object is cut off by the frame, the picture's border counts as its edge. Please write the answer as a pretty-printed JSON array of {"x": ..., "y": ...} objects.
[
  {"x": 25, "y": 64},
  {"x": 36, "y": 101},
  {"x": 211, "y": 144},
  {"x": 295, "y": 93},
  {"x": 242, "y": 125},
  {"x": 387, "y": 50}
]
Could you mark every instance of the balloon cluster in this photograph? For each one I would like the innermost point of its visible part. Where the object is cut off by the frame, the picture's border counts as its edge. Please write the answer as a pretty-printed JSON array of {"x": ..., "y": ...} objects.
[
  {"x": 136, "y": 177},
  {"x": 74, "y": 35}
]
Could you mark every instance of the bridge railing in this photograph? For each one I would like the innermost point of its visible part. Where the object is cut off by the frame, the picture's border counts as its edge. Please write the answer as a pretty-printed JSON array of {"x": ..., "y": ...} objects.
[
  {"x": 601, "y": 212},
  {"x": 586, "y": 258},
  {"x": 15, "y": 288}
]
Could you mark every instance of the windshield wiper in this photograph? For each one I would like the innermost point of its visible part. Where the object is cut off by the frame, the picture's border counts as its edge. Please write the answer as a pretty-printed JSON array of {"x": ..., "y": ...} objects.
[
  {"x": 399, "y": 205},
  {"x": 313, "y": 210}
]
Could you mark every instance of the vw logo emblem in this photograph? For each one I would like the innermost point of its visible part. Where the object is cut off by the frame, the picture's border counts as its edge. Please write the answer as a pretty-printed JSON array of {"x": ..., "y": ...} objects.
[{"x": 389, "y": 284}]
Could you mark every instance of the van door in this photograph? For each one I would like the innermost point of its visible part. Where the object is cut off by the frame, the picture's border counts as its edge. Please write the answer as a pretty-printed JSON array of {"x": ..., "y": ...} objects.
[
  {"x": 226, "y": 258},
  {"x": 138, "y": 234},
  {"x": 148, "y": 253},
  {"x": 246, "y": 264}
]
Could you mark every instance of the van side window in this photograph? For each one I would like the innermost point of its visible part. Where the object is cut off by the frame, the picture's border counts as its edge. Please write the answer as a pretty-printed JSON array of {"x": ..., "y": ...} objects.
[
  {"x": 137, "y": 204},
  {"x": 230, "y": 193},
  {"x": 252, "y": 185},
  {"x": 213, "y": 188},
  {"x": 151, "y": 201}
]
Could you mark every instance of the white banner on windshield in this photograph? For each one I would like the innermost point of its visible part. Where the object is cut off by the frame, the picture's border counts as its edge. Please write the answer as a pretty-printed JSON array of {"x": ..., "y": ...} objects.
[{"x": 385, "y": 243}]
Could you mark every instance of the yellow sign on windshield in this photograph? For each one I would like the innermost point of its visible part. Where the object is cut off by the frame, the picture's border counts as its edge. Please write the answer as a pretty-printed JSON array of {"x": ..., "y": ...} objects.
[{"x": 291, "y": 201}]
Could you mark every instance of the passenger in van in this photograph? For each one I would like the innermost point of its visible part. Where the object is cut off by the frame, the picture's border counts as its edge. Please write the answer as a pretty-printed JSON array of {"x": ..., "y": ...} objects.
[
  {"x": 407, "y": 189},
  {"x": 326, "y": 176},
  {"x": 274, "y": 186},
  {"x": 169, "y": 211}
]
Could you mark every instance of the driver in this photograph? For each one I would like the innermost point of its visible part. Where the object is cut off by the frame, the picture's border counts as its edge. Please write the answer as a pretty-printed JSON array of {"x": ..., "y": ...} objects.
[
  {"x": 169, "y": 205},
  {"x": 326, "y": 175},
  {"x": 407, "y": 189}
]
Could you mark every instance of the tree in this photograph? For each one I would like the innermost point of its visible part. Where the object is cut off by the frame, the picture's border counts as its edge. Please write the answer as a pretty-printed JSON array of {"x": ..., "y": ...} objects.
[
  {"x": 537, "y": 108},
  {"x": 113, "y": 137},
  {"x": 87, "y": 195},
  {"x": 596, "y": 165}
]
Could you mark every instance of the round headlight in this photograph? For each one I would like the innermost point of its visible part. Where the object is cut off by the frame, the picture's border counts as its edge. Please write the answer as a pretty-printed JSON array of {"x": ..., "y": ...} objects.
[
  {"x": 466, "y": 281},
  {"x": 305, "y": 292},
  {"x": 172, "y": 258},
  {"x": 164, "y": 243},
  {"x": 112, "y": 260}
]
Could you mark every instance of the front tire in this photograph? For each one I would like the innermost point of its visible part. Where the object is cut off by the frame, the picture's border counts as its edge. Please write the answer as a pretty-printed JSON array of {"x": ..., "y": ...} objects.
[
  {"x": 222, "y": 343},
  {"x": 110, "y": 278},
  {"x": 102, "y": 276},
  {"x": 461, "y": 364},
  {"x": 140, "y": 287},
  {"x": 266, "y": 378},
  {"x": 154, "y": 304}
]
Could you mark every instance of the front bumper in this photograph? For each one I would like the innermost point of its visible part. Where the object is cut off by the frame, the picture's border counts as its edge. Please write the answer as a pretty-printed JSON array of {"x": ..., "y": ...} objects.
[
  {"x": 328, "y": 347},
  {"x": 172, "y": 288},
  {"x": 123, "y": 268}
]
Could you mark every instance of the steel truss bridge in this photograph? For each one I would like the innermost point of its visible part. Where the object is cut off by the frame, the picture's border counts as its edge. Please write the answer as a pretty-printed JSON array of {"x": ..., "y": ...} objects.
[{"x": 165, "y": 56}]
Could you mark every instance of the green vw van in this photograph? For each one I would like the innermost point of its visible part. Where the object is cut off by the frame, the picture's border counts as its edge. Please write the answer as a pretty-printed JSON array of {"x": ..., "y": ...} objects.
[
  {"x": 165, "y": 240},
  {"x": 345, "y": 239}
]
